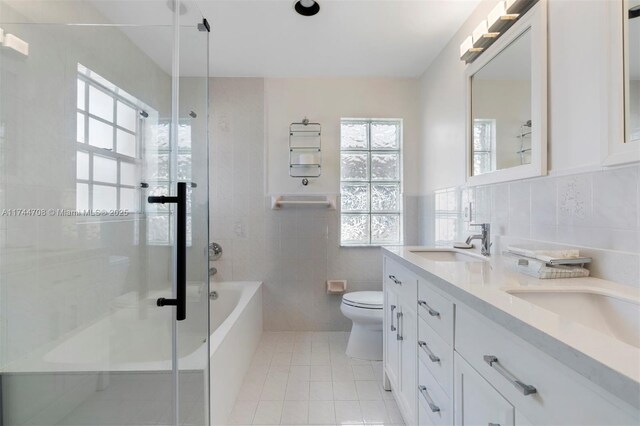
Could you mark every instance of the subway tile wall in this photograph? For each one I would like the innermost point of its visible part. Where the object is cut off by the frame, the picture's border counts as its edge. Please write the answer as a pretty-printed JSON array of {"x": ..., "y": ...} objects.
[
  {"x": 293, "y": 250},
  {"x": 597, "y": 211}
]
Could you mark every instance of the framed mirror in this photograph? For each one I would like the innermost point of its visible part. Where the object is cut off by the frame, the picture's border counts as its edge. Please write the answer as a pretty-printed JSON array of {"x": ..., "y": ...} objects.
[
  {"x": 507, "y": 104},
  {"x": 623, "y": 144}
]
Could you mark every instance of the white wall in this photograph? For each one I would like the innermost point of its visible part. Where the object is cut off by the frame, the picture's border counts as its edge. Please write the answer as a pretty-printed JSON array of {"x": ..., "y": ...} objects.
[
  {"x": 65, "y": 260},
  {"x": 598, "y": 209},
  {"x": 295, "y": 250},
  {"x": 577, "y": 91},
  {"x": 327, "y": 100}
]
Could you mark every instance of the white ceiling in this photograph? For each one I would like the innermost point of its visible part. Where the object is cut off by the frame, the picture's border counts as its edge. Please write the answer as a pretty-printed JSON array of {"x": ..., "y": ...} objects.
[{"x": 266, "y": 38}]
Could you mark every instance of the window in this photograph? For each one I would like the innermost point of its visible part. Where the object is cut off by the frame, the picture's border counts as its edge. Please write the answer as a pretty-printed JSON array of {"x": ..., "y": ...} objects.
[
  {"x": 446, "y": 217},
  {"x": 115, "y": 132},
  {"x": 108, "y": 137},
  {"x": 371, "y": 182},
  {"x": 484, "y": 136},
  {"x": 164, "y": 167}
]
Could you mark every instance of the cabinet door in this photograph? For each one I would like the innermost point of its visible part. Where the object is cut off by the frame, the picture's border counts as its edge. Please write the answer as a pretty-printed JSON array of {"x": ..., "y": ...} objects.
[
  {"x": 476, "y": 402},
  {"x": 408, "y": 359},
  {"x": 391, "y": 343}
]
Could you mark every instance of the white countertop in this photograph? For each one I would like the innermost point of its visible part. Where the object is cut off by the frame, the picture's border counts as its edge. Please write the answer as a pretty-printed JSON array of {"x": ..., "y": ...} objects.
[{"x": 603, "y": 359}]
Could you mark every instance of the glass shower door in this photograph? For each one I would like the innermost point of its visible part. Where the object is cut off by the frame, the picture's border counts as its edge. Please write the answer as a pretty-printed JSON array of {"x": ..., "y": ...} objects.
[
  {"x": 93, "y": 121},
  {"x": 192, "y": 166}
]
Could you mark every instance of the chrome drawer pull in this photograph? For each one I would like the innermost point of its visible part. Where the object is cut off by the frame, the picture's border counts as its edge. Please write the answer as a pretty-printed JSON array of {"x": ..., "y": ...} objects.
[
  {"x": 492, "y": 360},
  {"x": 399, "y": 333},
  {"x": 423, "y": 390},
  {"x": 395, "y": 280},
  {"x": 431, "y": 355},
  {"x": 493, "y": 424},
  {"x": 429, "y": 309},
  {"x": 393, "y": 327}
]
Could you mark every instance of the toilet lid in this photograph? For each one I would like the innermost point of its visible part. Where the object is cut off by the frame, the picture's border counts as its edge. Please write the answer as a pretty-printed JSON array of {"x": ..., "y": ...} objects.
[{"x": 365, "y": 299}]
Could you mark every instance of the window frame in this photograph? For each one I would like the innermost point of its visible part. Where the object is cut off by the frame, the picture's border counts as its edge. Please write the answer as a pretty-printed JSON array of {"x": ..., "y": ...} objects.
[
  {"x": 92, "y": 80},
  {"x": 446, "y": 203},
  {"x": 169, "y": 183},
  {"x": 491, "y": 122},
  {"x": 370, "y": 151}
]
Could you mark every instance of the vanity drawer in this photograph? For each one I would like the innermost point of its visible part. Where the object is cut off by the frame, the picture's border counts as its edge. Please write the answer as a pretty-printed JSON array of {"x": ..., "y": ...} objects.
[
  {"x": 561, "y": 396},
  {"x": 400, "y": 279},
  {"x": 436, "y": 355},
  {"x": 436, "y": 310},
  {"x": 434, "y": 406}
]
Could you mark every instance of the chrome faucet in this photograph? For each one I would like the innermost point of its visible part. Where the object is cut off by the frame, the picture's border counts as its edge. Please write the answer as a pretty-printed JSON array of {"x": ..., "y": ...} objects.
[
  {"x": 485, "y": 236},
  {"x": 215, "y": 251}
]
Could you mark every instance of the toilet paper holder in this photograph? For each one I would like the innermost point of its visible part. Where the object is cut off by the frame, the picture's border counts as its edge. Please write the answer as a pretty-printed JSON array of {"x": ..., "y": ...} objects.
[{"x": 336, "y": 286}]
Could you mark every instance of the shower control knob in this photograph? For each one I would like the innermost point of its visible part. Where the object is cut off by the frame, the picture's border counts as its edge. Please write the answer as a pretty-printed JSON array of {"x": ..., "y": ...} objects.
[{"x": 215, "y": 251}]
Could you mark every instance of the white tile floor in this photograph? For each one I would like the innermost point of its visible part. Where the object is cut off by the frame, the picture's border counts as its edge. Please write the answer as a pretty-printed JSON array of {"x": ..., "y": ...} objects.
[{"x": 306, "y": 378}]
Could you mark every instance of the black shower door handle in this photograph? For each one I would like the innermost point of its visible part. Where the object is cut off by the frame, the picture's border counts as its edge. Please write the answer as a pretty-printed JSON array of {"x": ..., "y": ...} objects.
[{"x": 180, "y": 302}]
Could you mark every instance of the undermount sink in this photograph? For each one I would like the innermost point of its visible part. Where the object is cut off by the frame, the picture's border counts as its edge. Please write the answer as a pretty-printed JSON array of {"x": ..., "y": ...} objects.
[
  {"x": 447, "y": 256},
  {"x": 617, "y": 317}
]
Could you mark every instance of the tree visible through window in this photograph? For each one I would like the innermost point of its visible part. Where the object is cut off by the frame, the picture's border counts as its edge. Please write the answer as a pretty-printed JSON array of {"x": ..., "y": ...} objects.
[{"x": 371, "y": 182}]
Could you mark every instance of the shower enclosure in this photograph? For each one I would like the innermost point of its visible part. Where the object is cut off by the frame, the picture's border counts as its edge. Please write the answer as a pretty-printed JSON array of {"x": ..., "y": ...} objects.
[{"x": 103, "y": 213}]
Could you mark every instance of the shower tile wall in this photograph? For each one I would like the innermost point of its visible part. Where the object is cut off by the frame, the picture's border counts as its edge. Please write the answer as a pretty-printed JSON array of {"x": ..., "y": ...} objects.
[
  {"x": 292, "y": 250},
  {"x": 62, "y": 272},
  {"x": 597, "y": 211}
]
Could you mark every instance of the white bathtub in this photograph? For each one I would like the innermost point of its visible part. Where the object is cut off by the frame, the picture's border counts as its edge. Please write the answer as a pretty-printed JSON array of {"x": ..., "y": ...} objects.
[
  {"x": 236, "y": 324},
  {"x": 135, "y": 338}
]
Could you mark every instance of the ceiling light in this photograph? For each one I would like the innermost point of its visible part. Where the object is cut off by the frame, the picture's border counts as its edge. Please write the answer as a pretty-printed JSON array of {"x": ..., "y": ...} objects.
[{"x": 307, "y": 7}]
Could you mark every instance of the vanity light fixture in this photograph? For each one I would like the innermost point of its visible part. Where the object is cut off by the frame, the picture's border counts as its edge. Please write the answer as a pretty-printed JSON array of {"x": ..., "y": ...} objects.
[
  {"x": 467, "y": 52},
  {"x": 482, "y": 37},
  {"x": 499, "y": 20},
  {"x": 501, "y": 17},
  {"x": 519, "y": 6},
  {"x": 307, "y": 7}
]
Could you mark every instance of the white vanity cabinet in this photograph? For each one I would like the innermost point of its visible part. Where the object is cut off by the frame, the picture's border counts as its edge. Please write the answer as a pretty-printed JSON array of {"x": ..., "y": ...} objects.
[
  {"x": 435, "y": 354},
  {"x": 449, "y": 364},
  {"x": 476, "y": 401},
  {"x": 408, "y": 360},
  {"x": 391, "y": 351},
  {"x": 400, "y": 336},
  {"x": 540, "y": 388}
]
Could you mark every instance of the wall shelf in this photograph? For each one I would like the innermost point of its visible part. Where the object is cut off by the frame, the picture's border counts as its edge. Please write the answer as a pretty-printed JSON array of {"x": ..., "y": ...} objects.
[
  {"x": 279, "y": 201},
  {"x": 305, "y": 152}
]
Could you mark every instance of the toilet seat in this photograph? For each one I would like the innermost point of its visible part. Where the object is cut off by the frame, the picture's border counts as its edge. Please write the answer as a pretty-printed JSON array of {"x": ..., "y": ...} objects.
[{"x": 364, "y": 299}]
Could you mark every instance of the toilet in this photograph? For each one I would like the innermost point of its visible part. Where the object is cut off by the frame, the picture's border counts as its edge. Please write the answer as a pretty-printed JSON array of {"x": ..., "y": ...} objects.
[{"x": 364, "y": 308}]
